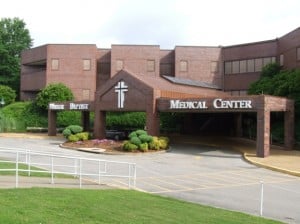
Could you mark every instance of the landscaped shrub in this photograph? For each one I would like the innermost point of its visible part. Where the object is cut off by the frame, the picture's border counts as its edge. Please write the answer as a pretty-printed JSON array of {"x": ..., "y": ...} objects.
[
  {"x": 83, "y": 136},
  {"x": 73, "y": 138},
  {"x": 144, "y": 147},
  {"x": 136, "y": 141},
  {"x": 144, "y": 142},
  {"x": 66, "y": 132},
  {"x": 141, "y": 132},
  {"x": 154, "y": 144},
  {"x": 129, "y": 146},
  {"x": 132, "y": 134},
  {"x": 75, "y": 129},
  {"x": 145, "y": 138}
]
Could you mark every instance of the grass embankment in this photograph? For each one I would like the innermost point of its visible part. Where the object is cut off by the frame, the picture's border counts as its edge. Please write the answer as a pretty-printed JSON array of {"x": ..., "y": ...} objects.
[
  {"x": 33, "y": 171},
  {"x": 42, "y": 205}
]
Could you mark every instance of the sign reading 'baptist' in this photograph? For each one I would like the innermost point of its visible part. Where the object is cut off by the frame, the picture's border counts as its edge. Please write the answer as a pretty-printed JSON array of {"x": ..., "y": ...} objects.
[
  {"x": 70, "y": 106},
  {"x": 216, "y": 103}
]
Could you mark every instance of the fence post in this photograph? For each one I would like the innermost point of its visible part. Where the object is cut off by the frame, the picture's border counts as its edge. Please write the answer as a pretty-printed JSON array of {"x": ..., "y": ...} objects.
[
  {"x": 129, "y": 176},
  {"x": 17, "y": 169},
  {"x": 52, "y": 170},
  {"x": 29, "y": 162},
  {"x": 99, "y": 171},
  {"x": 261, "y": 197},
  {"x": 134, "y": 176},
  {"x": 80, "y": 178}
]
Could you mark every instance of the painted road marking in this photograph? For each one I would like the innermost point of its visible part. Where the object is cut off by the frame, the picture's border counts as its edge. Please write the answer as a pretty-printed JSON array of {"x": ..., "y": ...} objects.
[{"x": 217, "y": 180}]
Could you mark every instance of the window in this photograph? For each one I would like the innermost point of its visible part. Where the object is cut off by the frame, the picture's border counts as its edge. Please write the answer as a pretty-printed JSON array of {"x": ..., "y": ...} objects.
[
  {"x": 54, "y": 64},
  {"x": 228, "y": 67},
  {"x": 150, "y": 65},
  {"x": 243, "y": 66},
  {"x": 267, "y": 61},
  {"x": 281, "y": 60},
  {"x": 250, "y": 65},
  {"x": 258, "y": 64},
  {"x": 183, "y": 66},
  {"x": 214, "y": 66},
  {"x": 86, "y": 64},
  {"x": 298, "y": 54},
  {"x": 273, "y": 59},
  {"x": 235, "y": 67},
  {"x": 86, "y": 94},
  {"x": 120, "y": 65}
]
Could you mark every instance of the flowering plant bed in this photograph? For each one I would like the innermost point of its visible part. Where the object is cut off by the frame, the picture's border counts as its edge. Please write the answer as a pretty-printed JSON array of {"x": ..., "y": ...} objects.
[{"x": 107, "y": 144}]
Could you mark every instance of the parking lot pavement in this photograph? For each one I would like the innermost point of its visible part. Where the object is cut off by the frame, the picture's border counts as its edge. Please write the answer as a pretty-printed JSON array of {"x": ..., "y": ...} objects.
[{"x": 207, "y": 175}]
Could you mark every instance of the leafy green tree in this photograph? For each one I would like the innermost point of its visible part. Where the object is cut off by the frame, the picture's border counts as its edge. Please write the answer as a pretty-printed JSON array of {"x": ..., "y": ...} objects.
[
  {"x": 284, "y": 83},
  {"x": 52, "y": 93},
  {"x": 7, "y": 94},
  {"x": 14, "y": 38}
]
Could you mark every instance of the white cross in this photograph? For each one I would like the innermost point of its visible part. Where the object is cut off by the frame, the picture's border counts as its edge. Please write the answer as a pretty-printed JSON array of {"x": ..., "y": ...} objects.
[{"x": 121, "y": 88}]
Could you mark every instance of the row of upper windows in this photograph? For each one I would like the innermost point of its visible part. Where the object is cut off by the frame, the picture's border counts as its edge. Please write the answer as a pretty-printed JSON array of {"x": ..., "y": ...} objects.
[
  {"x": 183, "y": 66},
  {"x": 246, "y": 66},
  {"x": 86, "y": 64}
]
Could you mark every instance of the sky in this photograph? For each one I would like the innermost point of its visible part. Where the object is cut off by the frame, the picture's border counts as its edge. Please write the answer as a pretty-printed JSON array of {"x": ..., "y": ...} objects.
[{"x": 167, "y": 23}]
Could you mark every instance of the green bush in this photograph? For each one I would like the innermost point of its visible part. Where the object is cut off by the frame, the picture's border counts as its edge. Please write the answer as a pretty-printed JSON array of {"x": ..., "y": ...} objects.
[
  {"x": 129, "y": 146},
  {"x": 141, "y": 132},
  {"x": 73, "y": 138},
  {"x": 83, "y": 136},
  {"x": 66, "y": 118},
  {"x": 136, "y": 141},
  {"x": 132, "y": 134},
  {"x": 145, "y": 138},
  {"x": 163, "y": 143},
  {"x": 66, "y": 132},
  {"x": 52, "y": 93},
  {"x": 126, "y": 120},
  {"x": 144, "y": 147},
  {"x": 7, "y": 94},
  {"x": 154, "y": 144},
  {"x": 75, "y": 129}
]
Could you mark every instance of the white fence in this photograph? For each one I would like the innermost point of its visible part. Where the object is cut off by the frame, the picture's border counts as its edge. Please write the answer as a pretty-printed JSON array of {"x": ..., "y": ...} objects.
[{"x": 95, "y": 170}]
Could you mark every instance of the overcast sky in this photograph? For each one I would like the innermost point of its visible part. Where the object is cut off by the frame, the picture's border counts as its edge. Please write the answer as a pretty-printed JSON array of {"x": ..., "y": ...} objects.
[{"x": 161, "y": 22}]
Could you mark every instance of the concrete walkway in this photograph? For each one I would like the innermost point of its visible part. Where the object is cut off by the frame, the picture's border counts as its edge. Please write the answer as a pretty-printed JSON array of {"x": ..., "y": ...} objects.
[{"x": 286, "y": 161}]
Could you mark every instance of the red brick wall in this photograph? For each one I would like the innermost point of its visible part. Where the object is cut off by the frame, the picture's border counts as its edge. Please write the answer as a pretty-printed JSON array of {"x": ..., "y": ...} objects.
[
  {"x": 135, "y": 58},
  {"x": 71, "y": 71},
  {"x": 287, "y": 45},
  {"x": 199, "y": 64}
]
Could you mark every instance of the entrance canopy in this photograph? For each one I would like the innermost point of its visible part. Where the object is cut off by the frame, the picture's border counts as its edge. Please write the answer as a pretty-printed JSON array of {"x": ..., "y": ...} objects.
[{"x": 132, "y": 92}]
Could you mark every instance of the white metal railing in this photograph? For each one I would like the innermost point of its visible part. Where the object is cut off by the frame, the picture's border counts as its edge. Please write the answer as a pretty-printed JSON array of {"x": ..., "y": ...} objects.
[{"x": 69, "y": 165}]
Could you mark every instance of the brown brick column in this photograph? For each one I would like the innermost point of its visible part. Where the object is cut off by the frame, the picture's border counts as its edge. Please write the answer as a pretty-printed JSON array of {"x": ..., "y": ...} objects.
[
  {"x": 52, "y": 122},
  {"x": 289, "y": 126},
  {"x": 238, "y": 124},
  {"x": 152, "y": 115},
  {"x": 85, "y": 120},
  {"x": 99, "y": 124},
  {"x": 263, "y": 133}
]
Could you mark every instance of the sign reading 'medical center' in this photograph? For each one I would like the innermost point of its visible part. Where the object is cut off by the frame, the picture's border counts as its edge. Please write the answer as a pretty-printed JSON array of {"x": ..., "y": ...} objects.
[{"x": 216, "y": 103}]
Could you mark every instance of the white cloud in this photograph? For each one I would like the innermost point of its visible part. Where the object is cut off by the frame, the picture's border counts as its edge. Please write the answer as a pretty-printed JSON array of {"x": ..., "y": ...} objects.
[{"x": 166, "y": 23}]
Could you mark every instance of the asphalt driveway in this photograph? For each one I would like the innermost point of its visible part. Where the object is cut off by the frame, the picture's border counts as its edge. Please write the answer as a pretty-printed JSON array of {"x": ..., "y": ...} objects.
[{"x": 201, "y": 174}]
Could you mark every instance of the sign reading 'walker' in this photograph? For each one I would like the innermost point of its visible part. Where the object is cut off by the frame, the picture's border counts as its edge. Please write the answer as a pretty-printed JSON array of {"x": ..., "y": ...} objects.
[{"x": 216, "y": 103}]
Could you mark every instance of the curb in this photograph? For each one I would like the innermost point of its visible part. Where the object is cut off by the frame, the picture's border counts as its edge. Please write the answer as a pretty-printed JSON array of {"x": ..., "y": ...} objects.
[
  {"x": 103, "y": 151},
  {"x": 274, "y": 168}
]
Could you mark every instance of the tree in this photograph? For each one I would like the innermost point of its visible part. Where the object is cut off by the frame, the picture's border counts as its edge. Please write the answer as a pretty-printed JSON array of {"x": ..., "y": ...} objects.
[
  {"x": 52, "y": 93},
  {"x": 14, "y": 38},
  {"x": 7, "y": 94}
]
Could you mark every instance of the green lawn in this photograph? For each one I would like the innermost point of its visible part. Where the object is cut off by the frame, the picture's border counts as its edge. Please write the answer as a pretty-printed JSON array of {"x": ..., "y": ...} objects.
[
  {"x": 42, "y": 205},
  {"x": 12, "y": 165}
]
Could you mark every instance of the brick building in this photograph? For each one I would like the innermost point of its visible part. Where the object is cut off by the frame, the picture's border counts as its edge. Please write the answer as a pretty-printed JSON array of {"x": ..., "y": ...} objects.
[{"x": 149, "y": 77}]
